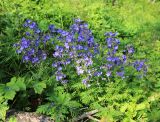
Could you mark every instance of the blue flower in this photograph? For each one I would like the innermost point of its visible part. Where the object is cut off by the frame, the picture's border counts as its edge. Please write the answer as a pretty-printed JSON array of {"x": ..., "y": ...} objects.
[
  {"x": 74, "y": 28},
  {"x": 111, "y": 34},
  {"x": 79, "y": 47},
  {"x": 130, "y": 49},
  {"x": 139, "y": 65},
  {"x": 59, "y": 68},
  {"x": 124, "y": 57},
  {"x": 37, "y": 42},
  {"x": 108, "y": 74},
  {"x": 77, "y": 20},
  {"x": 25, "y": 43},
  {"x": 37, "y": 31},
  {"x": 44, "y": 56},
  {"x": 62, "y": 32},
  {"x": 79, "y": 70},
  {"x": 59, "y": 76},
  {"x": 51, "y": 28},
  {"x": 116, "y": 47},
  {"x": 33, "y": 25},
  {"x": 121, "y": 74},
  {"x": 109, "y": 58},
  {"x": 86, "y": 48},
  {"x": 35, "y": 60},
  {"x": 109, "y": 42},
  {"x": 31, "y": 52},
  {"x": 26, "y": 58},
  {"x": 28, "y": 34},
  {"x": 71, "y": 54},
  {"x": 85, "y": 82},
  {"x": 28, "y": 21},
  {"x": 109, "y": 66},
  {"x": 47, "y": 37},
  {"x": 54, "y": 65},
  {"x": 80, "y": 38},
  {"x": 68, "y": 61},
  {"x": 117, "y": 41},
  {"x": 85, "y": 25},
  {"x": 98, "y": 73},
  {"x": 56, "y": 54},
  {"x": 88, "y": 61},
  {"x": 66, "y": 45},
  {"x": 69, "y": 38},
  {"x": 18, "y": 51}
]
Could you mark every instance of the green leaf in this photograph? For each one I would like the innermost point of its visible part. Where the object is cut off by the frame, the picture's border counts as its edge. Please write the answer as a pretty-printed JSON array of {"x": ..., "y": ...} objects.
[
  {"x": 3, "y": 109},
  {"x": 2, "y": 87},
  {"x": 20, "y": 83},
  {"x": 39, "y": 87},
  {"x": 13, "y": 80},
  {"x": 43, "y": 109},
  {"x": 43, "y": 25},
  {"x": 123, "y": 108},
  {"x": 1, "y": 99},
  {"x": 141, "y": 106},
  {"x": 12, "y": 84},
  {"x": 10, "y": 94},
  {"x": 12, "y": 119}
]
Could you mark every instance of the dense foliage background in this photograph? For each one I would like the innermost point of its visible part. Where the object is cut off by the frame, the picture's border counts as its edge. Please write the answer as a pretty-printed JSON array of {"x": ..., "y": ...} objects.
[{"x": 27, "y": 87}]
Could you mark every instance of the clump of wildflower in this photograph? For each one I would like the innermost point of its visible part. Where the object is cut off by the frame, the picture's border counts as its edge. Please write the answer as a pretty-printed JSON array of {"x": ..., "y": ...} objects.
[
  {"x": 29, "y": 46},
  {"x": 140, "y": 66},
  {"x": 114, "y": 61},
  {"x": 76, "y": 48}
]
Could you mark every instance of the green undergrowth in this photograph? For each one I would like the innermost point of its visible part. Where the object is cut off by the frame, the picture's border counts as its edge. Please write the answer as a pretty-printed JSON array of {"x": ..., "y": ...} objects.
[{"x": 34, "y": 88}]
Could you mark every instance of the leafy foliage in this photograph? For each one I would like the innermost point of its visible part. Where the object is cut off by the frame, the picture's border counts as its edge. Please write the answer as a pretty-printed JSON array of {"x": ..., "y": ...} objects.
[
  {"x": 8, "y": 92},
  {"x": 34, "y": 87}
]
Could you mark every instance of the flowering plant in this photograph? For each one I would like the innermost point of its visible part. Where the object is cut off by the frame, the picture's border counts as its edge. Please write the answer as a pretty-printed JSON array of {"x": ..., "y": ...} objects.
[
  {"x": 76, "y": 54},
  {"x": 77, "y": 49}
]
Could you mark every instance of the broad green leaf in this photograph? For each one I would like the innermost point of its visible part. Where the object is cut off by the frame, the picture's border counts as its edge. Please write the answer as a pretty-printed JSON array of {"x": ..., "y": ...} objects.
[
  {"x": 39, "y": 87},
  {"x": 20, "y": 83},
  {"x": 13, "y": 79},
  {"x": 12, "y": 84},
  {"x": 9, "y": 94}
]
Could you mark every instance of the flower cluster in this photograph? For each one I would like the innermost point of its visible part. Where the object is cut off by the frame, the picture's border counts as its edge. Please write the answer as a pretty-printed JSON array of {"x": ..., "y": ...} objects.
[
  {"x": 30, "y": 46},
  {"x": 114, "y": 61},
  {"x": 140, "y": 66},
  {"x": 76, "y": 48}
]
